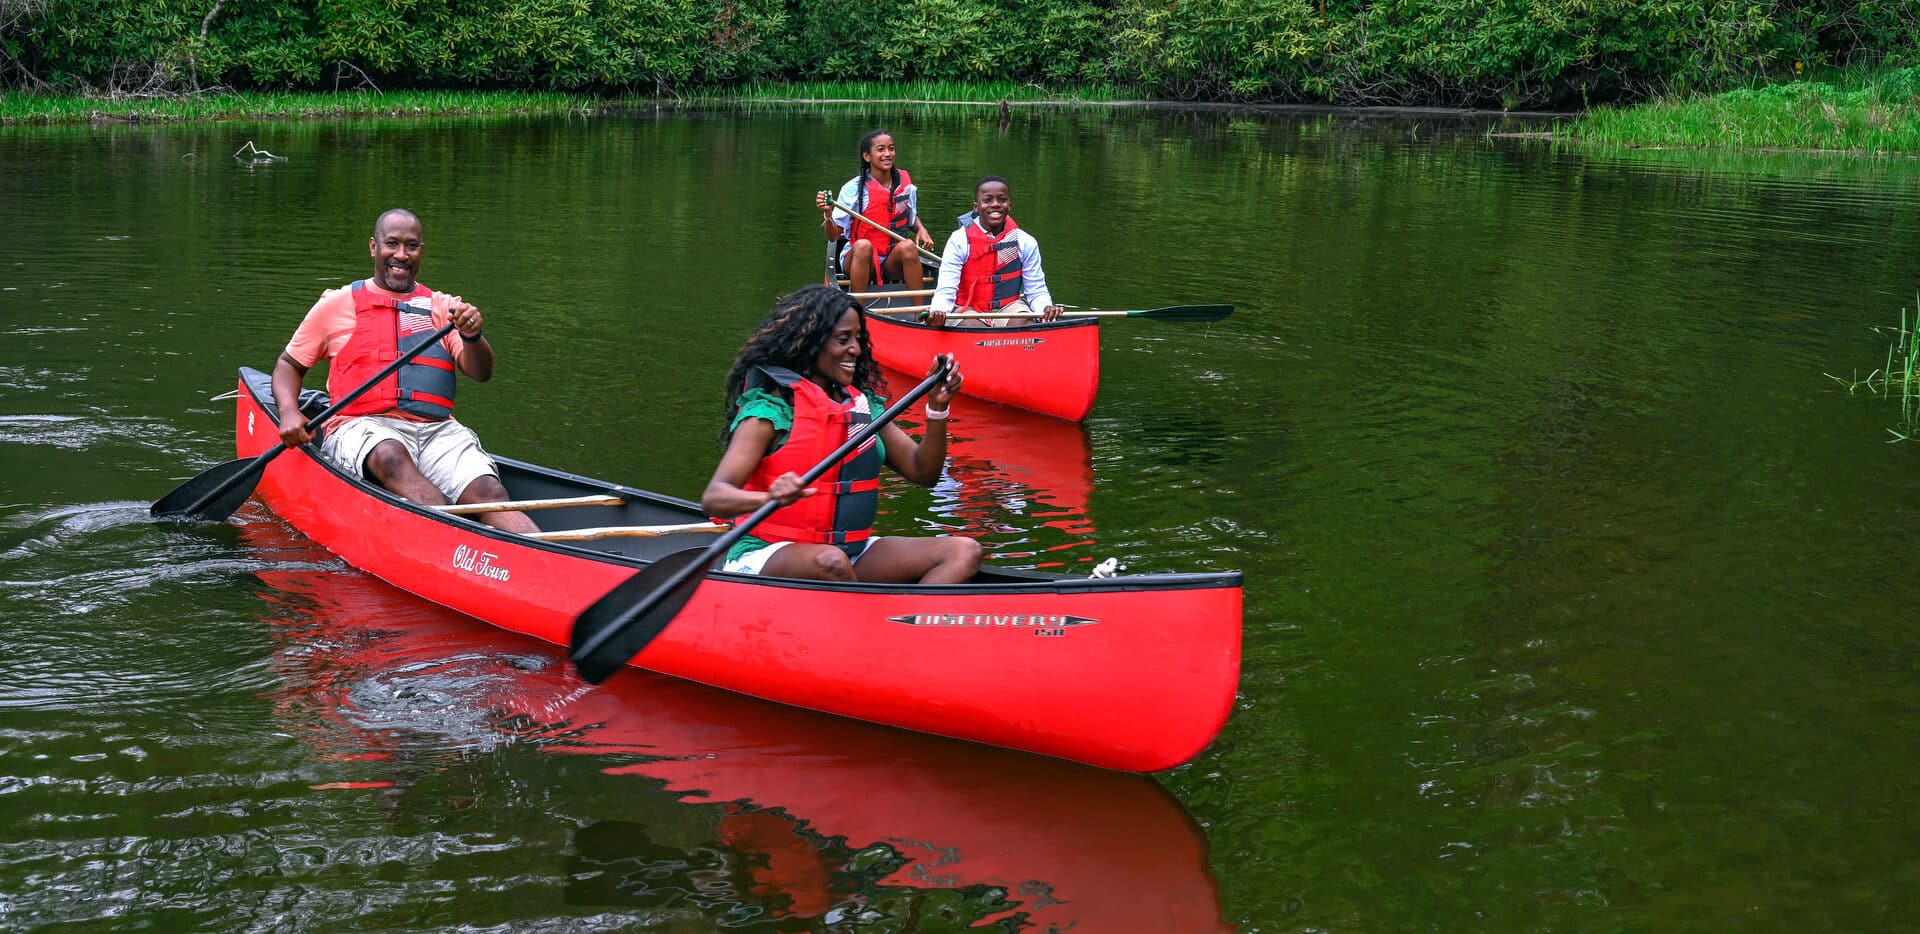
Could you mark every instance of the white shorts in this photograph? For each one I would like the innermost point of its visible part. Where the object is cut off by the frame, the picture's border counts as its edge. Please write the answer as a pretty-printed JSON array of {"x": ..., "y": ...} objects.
[
  {"x": 755, "y": 561},
  {"x": 448, "y": 453}
]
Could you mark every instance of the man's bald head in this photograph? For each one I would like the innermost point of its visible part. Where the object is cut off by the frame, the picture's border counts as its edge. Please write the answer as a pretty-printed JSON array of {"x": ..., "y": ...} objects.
[{"x": 380, "y": 223}]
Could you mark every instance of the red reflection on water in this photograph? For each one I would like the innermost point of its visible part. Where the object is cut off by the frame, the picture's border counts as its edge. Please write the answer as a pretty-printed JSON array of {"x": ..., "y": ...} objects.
[
  {"x": 1072, "y": 846},
  {"x": 1010, "y": 474}
]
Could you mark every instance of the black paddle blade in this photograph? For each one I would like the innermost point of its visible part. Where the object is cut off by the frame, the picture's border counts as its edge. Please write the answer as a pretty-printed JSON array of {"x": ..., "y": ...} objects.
[
  {"x": 179, "y": 504},
  {"x": 1190, "y": 313},
  {"x": 635, "y": 612}
]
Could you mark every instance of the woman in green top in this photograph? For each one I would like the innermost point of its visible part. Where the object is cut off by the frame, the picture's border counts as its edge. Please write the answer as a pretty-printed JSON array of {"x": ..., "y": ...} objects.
[{"x": 816, "y": 336}]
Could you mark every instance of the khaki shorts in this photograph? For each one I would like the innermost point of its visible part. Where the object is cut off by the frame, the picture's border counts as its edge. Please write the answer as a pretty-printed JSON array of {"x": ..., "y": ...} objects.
[
  {"x": 448, "y": 453},
  {"x": 960, "y": 317}
]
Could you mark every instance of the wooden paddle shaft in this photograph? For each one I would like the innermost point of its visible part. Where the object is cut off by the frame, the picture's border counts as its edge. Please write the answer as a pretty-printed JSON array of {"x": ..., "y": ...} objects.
[
  {"x": 903, "y": 293},
  {"x": 524, "y": 505},
  {"x": 628, "y": 531},
  {"x": 924, "y": 252}
]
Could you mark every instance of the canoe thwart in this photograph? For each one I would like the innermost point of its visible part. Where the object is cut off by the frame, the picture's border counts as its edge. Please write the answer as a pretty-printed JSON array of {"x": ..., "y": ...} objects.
[
  {"x": 902, "y": 293},
  {"x": 627, "y": 531},
  {"x": 526, "y": 505}
]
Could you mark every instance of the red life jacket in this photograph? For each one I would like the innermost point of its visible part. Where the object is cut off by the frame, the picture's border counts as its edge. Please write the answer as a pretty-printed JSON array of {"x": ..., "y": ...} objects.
[
  {"x": 889, "y": 208},
  {"x": 383, "y": 329},
  {"x": 993, "y": 274},
  {"x": 847, "y": 497}
]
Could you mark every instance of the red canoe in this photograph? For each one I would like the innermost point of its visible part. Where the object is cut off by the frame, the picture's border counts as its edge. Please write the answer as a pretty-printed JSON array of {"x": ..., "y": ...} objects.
[
  {"x": 787, "y": 807},
  {"x": 1053, "y": 369},
  {"x": 1135, "y": 673}
]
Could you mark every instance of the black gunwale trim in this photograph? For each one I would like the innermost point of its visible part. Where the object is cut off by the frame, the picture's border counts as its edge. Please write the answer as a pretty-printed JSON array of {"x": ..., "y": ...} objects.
[
  {"x": 1043, "y": 583},
  {"x": 1037, "y": 327}
]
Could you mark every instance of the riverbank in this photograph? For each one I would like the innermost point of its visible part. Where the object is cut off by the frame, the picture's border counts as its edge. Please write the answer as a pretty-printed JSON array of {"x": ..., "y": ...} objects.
[
  {"x": 23, "y": 108},
  {"x": 1862, "y": 111},
  {"x": 1869, "y": 111}
]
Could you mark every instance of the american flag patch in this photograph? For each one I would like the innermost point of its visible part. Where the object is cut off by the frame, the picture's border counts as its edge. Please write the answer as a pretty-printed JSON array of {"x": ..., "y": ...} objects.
[{"x": 412, "y": 322}]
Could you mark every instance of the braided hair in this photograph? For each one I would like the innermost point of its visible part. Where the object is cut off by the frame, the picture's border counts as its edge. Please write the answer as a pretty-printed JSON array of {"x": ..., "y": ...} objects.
[
  {"x": 866, "y": 171},
  {"x": 791, "y": 336}
]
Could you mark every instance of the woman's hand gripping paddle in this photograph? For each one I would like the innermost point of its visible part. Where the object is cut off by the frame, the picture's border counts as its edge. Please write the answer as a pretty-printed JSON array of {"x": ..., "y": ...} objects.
[
  {"x": 218, "y": 491},
  {"x": 617, "y": 626}
]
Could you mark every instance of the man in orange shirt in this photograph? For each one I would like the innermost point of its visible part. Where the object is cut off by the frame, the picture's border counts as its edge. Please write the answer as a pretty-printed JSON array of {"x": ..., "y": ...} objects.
[{"x": 401, "y": 434}]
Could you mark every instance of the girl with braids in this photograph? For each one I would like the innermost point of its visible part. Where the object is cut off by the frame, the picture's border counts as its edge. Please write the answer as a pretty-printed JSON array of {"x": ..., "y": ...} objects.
[
  {"x": 882, "y": 193},
  {"x": 803, "y": 384}
]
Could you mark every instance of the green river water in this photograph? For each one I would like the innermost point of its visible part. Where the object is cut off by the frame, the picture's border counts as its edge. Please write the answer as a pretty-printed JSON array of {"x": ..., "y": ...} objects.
[{"x": 1575, "y": 589}]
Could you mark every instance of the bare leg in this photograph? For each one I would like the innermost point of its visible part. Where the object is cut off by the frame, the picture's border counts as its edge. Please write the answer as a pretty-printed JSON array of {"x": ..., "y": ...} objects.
[
  {"x": 488, "y": 489},
  {"x": 949, "y": 559},
  {"x": 810, "y": 562},
  {"x": 903, "y": 265},
  {"x": 860, "y": 265},
  {"x": 391, "y": 465}
]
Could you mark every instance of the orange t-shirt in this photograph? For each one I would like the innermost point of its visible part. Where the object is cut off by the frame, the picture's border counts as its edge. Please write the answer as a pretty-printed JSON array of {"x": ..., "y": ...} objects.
[{"x": 324, "y": 332}]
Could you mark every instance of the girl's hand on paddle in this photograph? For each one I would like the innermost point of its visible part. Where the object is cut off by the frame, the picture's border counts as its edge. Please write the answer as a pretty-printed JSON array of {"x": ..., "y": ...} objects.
[
  {"x": 924, "y": 240},
  {"x": 787, "y": 489},
  {"x": 943, "y": 393},
  {"x": 825, "y": 204}
]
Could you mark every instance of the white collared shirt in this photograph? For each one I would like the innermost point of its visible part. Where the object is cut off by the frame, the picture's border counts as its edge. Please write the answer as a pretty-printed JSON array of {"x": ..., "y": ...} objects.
[{"x": 1033, "y": 281}]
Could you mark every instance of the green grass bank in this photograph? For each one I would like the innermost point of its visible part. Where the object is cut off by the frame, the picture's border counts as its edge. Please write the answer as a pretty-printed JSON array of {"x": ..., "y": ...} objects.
[
  {"x": 1855, "y": 110},
  {"x": 18, "y": 107}
]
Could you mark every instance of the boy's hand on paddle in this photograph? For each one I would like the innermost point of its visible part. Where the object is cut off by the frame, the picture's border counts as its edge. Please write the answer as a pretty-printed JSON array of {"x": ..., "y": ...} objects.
[
  {"x": 942, "y": 395},
  {"x": 787, "y": 489},
  {"x": 1051, "y": 313}
]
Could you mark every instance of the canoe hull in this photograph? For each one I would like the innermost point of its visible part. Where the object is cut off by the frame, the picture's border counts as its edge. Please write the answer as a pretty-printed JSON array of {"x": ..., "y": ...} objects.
[
  {"x": 1136, "y": 675},
  {"x": 1053, "y": 369}
]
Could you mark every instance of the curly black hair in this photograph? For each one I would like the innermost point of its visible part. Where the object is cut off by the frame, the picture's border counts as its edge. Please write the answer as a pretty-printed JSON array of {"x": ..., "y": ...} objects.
[{"x": 791, "y": 336}]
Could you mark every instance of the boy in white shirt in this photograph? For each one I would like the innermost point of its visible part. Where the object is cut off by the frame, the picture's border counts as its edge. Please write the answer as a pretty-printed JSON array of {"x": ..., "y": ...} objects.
[{"x": 990, "y": 264}]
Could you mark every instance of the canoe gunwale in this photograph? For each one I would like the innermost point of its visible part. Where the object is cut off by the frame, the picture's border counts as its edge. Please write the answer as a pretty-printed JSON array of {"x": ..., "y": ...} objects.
[{"x": 1063, "y": 324}]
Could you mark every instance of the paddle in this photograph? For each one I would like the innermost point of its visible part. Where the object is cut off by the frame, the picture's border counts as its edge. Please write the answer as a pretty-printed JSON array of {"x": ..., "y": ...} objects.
[
  {"x": 617, "y": 626},
  {"x": 1187, "y": 314},
  {"x": 925, "y": 253},
  {"x": 217, "y": 492}
]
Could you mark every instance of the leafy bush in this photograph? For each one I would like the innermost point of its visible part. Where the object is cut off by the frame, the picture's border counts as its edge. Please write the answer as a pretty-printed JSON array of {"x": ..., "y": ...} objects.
[{"x": 1449, "y": 52}]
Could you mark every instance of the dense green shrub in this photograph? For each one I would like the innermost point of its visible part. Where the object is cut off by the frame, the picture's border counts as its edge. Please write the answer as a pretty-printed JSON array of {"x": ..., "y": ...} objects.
[
  {"x": 1501, "y": 52},
  {"x": 1056, "y": 40}
]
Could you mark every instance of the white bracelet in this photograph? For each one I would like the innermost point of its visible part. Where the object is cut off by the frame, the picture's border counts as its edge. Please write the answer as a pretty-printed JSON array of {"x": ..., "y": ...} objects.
[{"x": 937, "y": 415}]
